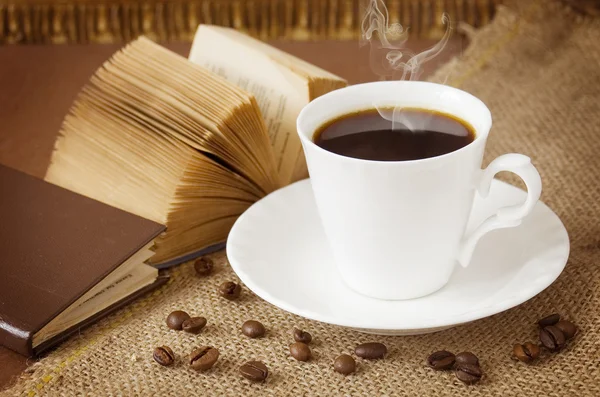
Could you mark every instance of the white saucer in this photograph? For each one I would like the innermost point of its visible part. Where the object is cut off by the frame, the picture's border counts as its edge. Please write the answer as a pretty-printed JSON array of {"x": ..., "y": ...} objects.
[{"x": 279, "y": 251}]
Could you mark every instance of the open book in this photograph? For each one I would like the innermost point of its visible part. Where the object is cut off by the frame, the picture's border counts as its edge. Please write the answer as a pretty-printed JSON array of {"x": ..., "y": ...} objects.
[
  {"x": 188, "y": 144},
  {"x": 281, "y": 83}
]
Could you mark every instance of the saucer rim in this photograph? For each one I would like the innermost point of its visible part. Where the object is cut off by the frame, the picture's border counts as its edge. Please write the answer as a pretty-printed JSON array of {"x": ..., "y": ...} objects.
[{"x": 425, "y": 325}]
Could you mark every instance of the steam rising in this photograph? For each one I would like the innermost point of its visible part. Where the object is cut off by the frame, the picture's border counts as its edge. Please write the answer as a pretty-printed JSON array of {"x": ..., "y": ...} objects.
[
  {"x": 389, "y": 56},
  {"x": 391, "y": 60}
]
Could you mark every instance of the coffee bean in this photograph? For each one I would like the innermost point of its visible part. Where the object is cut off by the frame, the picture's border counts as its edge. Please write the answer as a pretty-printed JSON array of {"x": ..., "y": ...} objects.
[
  {"x": 204, "y": 266},
  {"x": 344, "y": 364},
  {"x": 441, "y": 360},
  {"x": 164, "y": 356},
  {"x": 253, "y": 329},
  {"x": 567, "y": 327},
  {"x": 254, "y": 371},
  {"x": 230, "y": 290},
  {"x": 552, "y": 338},
  {"x": 467, "y": 358},
  {"x": 175, "y": 319},
  {"x": 300, "y": 351},
  {"x": 203, "y": 358},
  {"x": 549, "y": 320},
  {"x": 193, "y": 325},
  {"x": 526, "y": 352},
  {"x": 468, "y": 373},
  {"x": 371, "y": 351},
  {"x": 302, "y": 336}
]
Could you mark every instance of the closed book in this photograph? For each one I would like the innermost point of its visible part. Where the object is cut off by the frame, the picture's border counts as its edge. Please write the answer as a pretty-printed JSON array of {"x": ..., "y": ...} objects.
[{"x": 65, "y": 261}]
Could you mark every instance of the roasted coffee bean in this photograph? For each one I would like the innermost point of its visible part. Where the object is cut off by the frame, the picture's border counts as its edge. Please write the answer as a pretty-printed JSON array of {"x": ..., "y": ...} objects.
[
  {"x": 193, "y": 325},
  {"x": 204, "y": 266},
  {"x": 253, "y": 329},
  {"x": 254, "y": 371},
  {"x": 203, "y": 358},
  {"x": 467, "y": 358},
  {"x": 552, "y": 338},
  {"x": 175, "y": 319},
  {"x": 526, "y": 352},
  {"x": 302, "y": 336},
  {"x": 441, "y": 360},
  {"x": 164, "y": 356},
  {"x": 300, "y": 351},
  {"x": 468, "y": 373},
  {"x": 567, "y": 327},
  {"x": 371, "y": 351},
  {"x": 344, "y": 364},
  {"x": 230, "y": 290},
  {"x": 549, "y": 320}
]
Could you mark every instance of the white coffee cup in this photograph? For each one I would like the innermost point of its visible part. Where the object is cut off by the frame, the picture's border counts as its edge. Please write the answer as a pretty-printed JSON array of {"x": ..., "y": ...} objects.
[{"x": 397, "y": 228}]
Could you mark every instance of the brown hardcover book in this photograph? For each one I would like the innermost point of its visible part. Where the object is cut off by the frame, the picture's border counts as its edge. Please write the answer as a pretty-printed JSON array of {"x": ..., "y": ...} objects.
[{"x": 65, "y": 261}]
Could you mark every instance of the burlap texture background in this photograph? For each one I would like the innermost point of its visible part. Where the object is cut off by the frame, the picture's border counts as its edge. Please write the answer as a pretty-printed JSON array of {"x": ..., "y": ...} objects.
[{"x": 538, "y": 69}]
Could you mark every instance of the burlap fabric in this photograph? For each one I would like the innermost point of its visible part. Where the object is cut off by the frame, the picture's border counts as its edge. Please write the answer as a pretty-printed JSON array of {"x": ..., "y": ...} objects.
[{"x": 538, "y": 68}]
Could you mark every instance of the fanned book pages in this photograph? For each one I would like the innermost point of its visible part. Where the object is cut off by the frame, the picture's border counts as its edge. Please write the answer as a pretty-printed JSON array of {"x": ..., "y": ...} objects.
[
  {"x": 281, "y": 83},
  {"x": 161, "y": 137}
]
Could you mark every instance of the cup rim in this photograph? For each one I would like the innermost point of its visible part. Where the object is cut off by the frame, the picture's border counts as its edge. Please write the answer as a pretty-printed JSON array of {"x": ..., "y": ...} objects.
[{"x": 318, "y": 102}]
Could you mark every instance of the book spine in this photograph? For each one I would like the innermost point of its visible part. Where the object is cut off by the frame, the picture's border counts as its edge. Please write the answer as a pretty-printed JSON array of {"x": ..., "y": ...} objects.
[{"x": 15, "y": 338}]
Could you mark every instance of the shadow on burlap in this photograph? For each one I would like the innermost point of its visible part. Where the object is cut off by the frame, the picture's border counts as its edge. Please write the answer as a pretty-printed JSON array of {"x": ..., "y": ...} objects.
[{"x": 538, "y": 69}]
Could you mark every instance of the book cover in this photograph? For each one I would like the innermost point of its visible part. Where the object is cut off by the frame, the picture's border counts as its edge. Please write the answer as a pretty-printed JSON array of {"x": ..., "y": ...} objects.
[{"x": 56, "y": 246}]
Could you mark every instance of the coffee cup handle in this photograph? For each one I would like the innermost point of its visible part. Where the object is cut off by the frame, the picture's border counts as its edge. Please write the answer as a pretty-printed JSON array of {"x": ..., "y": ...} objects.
[{"x": 510, "y": 216}]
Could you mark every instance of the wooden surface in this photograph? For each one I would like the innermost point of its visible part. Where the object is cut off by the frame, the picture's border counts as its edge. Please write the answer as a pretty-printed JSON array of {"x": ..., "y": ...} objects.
[{"x": 38, "y": 84}]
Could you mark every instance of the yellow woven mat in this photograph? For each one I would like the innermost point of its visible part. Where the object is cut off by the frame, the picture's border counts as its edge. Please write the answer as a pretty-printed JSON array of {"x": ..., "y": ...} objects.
[{"x": 538, "y": 69}]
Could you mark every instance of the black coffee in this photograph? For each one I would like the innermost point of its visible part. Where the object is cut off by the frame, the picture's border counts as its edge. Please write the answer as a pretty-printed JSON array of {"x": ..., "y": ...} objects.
[{"x": 414, "y": 134}]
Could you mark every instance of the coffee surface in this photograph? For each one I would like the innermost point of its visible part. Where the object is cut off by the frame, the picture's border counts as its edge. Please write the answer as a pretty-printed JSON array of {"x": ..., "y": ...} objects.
[{"x": 415, "y": 134}]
